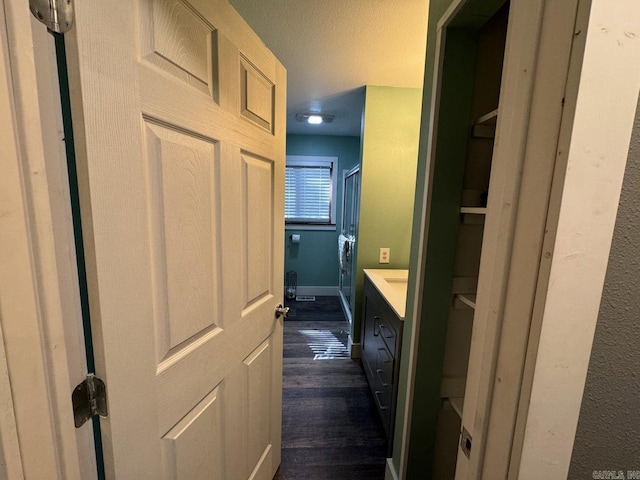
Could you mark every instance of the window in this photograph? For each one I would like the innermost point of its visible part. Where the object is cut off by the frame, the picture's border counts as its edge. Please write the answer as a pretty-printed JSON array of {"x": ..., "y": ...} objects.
[{"x": 310, "y": 191}]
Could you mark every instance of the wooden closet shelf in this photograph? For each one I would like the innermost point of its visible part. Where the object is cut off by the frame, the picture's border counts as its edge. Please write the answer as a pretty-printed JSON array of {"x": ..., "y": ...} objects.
[
  {"x": 468, "y": 300},
  {"x": 488, "y": 119},
  {"x": 485, "y": 126},
  {"x": 457, "y": 404},
  {"x": 474, "y": 210}
]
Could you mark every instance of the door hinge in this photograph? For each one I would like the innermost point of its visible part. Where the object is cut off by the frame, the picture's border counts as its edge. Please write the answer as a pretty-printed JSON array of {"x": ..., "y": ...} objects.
[
  {"x": 89, "y": 399},
  {"x": 57, "y": 15}
]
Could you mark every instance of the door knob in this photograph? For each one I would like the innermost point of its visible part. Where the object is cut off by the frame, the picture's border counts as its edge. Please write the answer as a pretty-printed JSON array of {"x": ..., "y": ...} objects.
[{"x": 282, "y": 311}]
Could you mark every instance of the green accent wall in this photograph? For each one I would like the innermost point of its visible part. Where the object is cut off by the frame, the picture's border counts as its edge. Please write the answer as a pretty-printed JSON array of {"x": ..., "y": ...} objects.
[
  {"x": 315, "y": 258},
  {"x": 444, "y": 219},
  {"x": 391, "y": 126}
]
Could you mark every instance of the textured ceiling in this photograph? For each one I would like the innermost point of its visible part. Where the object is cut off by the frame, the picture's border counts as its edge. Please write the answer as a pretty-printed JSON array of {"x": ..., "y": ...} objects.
[{"x": 332, "y": 48}]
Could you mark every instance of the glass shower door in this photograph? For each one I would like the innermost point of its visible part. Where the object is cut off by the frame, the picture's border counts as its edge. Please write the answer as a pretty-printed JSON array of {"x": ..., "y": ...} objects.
[{"x": 347, "y": 240}]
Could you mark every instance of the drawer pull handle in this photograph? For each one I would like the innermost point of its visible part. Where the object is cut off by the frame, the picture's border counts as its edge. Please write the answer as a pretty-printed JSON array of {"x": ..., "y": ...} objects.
[
  {"x": 380, "y": 405},
  {"x": 386, "y": 357},
  {"x": 379, "y": 371},
  {"x": 391, "y": 332},
  {"x": 376, "y": 319}
]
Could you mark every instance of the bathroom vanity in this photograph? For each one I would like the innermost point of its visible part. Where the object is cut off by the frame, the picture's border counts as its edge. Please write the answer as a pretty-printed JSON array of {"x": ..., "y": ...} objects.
[{"x": 385, "y": 295}]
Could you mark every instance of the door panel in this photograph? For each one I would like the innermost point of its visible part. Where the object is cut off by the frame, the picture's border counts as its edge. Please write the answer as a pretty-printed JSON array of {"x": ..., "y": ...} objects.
[
  {"x": 182, "y": 181},
  {"x": 256, "y": 368},
  {"x": 192, "y": 449},
  {"x": 257, "y": 188},
  {"x": 256, "y": 95},
  {"x": 178, "y": 40},
  {"x": 180, "y": 116}
]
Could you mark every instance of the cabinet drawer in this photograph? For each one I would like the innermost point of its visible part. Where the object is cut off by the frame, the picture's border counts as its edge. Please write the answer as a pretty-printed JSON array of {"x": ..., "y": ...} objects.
[
  {"x": 385, "y": 330},
  {"x": 369, "y": 339},
  {"x": 384, "y": 366},
  {"x": 382, "y": 396}
]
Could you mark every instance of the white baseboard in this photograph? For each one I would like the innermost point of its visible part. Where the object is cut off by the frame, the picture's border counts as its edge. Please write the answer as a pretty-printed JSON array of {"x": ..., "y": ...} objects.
[
  {"x": 317, "y": 290},
  {"x": 355, "y": 349},
  {"x": 390, "y": 471}
]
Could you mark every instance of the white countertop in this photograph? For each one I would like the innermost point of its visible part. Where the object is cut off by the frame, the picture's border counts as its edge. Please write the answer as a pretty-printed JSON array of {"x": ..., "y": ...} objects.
[{"x": 392, "y": 285}]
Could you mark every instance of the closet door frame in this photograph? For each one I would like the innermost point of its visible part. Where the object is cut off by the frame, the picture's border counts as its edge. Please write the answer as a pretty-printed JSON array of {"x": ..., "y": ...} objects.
[{"x": 527, "y": 103}]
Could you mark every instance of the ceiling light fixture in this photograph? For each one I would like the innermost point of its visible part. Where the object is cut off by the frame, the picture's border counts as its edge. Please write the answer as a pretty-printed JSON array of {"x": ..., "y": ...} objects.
[{"x": 314, "y": 118}]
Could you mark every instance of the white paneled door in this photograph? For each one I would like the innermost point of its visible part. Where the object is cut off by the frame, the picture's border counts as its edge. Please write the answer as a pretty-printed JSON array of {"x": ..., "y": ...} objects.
[{"x": 178, "y": 112}]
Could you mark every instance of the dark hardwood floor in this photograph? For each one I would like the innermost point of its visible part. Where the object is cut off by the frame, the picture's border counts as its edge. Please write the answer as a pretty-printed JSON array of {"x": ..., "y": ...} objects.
[{"x": 330, "y": 428}]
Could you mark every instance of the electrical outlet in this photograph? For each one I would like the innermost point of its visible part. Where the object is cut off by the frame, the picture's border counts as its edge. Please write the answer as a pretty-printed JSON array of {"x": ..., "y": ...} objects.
[{"x": 384, "y": 255}]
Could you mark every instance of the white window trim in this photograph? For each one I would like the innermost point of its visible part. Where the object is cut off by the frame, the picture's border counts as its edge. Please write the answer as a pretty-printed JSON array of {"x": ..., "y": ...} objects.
[{"x": 318, "y": 161}]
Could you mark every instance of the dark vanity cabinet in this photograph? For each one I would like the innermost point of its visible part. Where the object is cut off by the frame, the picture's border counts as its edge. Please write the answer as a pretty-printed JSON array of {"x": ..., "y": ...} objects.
[{"x": 381, "y": 345}]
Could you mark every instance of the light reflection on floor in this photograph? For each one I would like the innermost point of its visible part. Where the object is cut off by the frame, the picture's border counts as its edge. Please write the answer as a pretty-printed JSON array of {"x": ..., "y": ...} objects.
[{"x": 325, "y": 345}]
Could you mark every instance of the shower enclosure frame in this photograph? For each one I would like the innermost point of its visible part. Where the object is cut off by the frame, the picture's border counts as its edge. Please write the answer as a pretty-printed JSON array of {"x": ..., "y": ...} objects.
[{"x": 349, "y": 227}]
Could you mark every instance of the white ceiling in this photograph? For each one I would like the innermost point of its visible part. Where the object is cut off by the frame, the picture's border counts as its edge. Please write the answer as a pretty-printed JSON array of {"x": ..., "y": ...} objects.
[{"x": 332, "y": 48}]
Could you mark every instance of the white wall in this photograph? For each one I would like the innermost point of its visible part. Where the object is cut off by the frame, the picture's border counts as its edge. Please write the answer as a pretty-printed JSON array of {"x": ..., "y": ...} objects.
[{"x": 597, "y": 154}]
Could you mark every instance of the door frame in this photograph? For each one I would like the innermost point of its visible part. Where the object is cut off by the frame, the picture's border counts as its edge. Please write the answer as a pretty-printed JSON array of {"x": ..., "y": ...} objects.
[
  {"x": 539, "y": 418},
  {"x": 525, "y": 18},
  {"x": 40, "y": 316},
  {"x": 602, "y": 94}
]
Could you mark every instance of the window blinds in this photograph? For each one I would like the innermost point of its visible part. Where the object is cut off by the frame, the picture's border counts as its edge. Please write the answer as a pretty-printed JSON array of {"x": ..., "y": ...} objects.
[{"x": 308, "y": 193}]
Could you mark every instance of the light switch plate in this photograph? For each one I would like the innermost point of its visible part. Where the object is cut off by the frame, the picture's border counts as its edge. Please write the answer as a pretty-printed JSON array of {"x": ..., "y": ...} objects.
[{"x": 384, "y": 255}]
